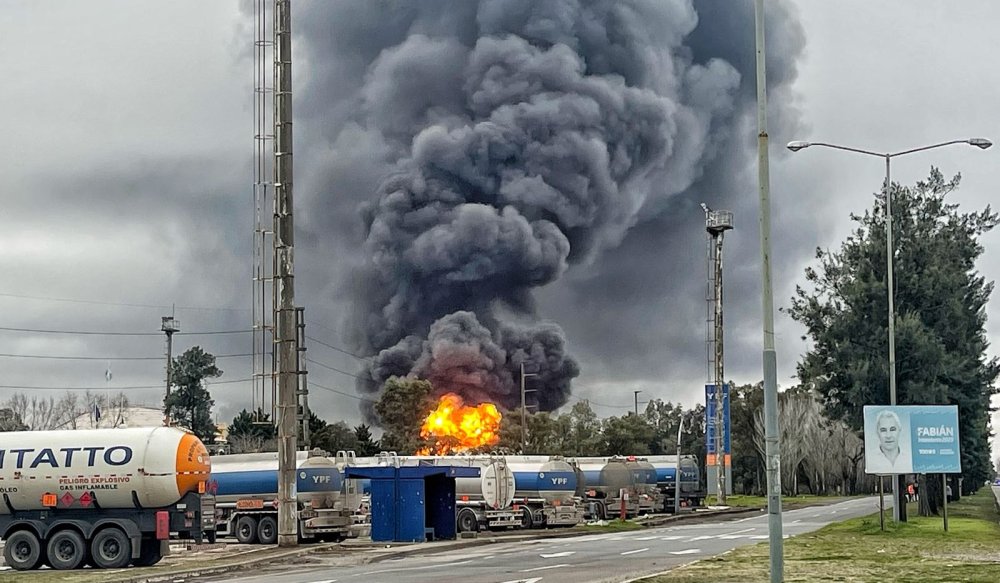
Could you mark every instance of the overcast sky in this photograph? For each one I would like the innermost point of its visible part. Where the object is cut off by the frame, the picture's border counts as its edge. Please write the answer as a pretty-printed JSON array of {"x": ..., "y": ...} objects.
[{"x": 127, "y": 188}]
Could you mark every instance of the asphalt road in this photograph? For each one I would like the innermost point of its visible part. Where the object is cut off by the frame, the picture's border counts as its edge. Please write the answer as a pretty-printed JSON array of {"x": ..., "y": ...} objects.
[{"x": 609, "y": 557}]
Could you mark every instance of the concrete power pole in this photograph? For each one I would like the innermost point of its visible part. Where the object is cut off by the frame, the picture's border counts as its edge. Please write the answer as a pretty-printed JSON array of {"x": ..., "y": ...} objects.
[
  {"x": 717, "y": 223},
  {"x": 285, "y": 333},
  {"x": 169, "y": 325},
  {"x": 524, "y": 412}
]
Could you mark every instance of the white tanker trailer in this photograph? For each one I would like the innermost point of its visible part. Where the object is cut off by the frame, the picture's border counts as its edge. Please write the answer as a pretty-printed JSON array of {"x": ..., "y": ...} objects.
[
  {"x": 610, "y": 486},
  {"x": 246, "y": 487},
  {"x": 104, "y": 497}
]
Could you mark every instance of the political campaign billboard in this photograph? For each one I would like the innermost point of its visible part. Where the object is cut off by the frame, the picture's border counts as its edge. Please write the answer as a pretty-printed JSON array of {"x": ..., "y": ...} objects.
[{"x": 911, "y": 439}]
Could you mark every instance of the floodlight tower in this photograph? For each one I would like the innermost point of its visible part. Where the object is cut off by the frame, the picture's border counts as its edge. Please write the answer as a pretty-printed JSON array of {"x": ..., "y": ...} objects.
[{"x": 717, "y": 223}]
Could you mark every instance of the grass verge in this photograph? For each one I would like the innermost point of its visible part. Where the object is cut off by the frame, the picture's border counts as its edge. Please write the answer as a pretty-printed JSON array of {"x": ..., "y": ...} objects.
[
  {"x": 918, "y": 551},
  {"x": 745, "y": 501}
]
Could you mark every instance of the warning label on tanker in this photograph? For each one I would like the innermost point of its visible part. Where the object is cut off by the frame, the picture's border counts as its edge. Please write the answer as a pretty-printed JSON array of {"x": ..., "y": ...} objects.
[{"x": 93, "y": 482}]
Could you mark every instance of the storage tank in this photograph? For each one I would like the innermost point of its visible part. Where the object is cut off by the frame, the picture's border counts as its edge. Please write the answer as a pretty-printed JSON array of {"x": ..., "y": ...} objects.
[
  {"x": 552, "y": 480},
  {"x": 318, "y": 482},
  {"x": 103, "y": 468}
]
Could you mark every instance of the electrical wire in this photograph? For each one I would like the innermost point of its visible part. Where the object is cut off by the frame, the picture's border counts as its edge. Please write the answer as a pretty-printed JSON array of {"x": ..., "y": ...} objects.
[
  {"x": 325, "y": 388},
  {"x": 89, "y": 333},
  {"x": 111, "y": 388},
  {"x": 334, "y": 369},
  {"x": 124, "y": 304},
  {"x": 341, "y": 350},
  {"x": 115, "y": 358}
]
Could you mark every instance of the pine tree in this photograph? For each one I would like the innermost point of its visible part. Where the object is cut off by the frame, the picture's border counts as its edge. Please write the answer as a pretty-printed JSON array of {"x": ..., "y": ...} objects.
[{"x": 190, "y": 404}]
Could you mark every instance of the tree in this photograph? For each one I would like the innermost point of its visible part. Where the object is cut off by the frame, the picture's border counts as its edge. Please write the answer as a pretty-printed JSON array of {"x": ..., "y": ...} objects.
[
  {"x": 336, "y": 437},
  {"x": 584, "y": 436},
  {"x": 366, "y": 445},
  {"x": 748, "y": 461},
  {"x": 627, "y": 435},
  {"x": 940, "y": 316},
  {"x": 11, "y": 421},
  {"x": 189, "y": 403},
  {"x": 252, "y": 432},
  {"x": 402, "y": 408}
]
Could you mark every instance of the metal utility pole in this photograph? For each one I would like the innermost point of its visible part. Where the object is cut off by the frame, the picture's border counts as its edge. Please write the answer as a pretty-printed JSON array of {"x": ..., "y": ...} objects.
[
  {"x": 635, "y": 394},
  {"x": 300, "y": 366},
  {"x": 524, "y": 413},
  {"x": 284, "y": 288},
  {"x": 772, "y": 449},
  {"x": 168, "y": 325},
  {"x": 717, "y": 223}
]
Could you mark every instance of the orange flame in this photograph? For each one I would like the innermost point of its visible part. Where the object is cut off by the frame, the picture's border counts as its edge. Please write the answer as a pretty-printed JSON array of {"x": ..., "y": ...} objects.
[{"x": 458, "y": 428}]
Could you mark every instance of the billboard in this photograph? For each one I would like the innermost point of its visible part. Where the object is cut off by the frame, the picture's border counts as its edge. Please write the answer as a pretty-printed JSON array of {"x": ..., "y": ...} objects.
[
  {"x": 912, "y": 439},
  {"x": 710, "y": 399}
]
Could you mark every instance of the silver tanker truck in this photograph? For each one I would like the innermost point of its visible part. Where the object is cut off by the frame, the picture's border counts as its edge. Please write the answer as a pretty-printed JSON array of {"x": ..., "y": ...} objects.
[{"x": 103, "y": 497}]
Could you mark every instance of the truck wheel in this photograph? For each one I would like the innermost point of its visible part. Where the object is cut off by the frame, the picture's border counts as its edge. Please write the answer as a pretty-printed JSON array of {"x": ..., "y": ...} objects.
[
  {"x": 22, "y": 551},
  {"x": 111, "y": 549},
  {"x": 246, "y": 530},
  {"x": 66, "y": 550},
  {"x": 527, "y": 521},
  {"x": 211, "y": 536},
  {"x": 602, "y": 511},
  {"x": 149, "y": 553},
  {"x": 467, "y": 521},
  {"x": 267, "y": 530}
]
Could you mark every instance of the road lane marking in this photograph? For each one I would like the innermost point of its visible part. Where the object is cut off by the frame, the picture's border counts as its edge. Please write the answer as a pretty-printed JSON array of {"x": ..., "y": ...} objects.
[
  {"x": 326, "y": 581},
  {"x": 759, "y": 537},
  {"x": 635, "y": 551},
  {"x": 533, "y": 580},
  {"x": 556, "y": 555},
  {"x": 672, "y": 537},
  {"x": 704, "y": 537},
  {"x": 646, "y": 537},
  {"x": 545, "y": 567},
  {"x": 419, "y": 567},
  {"x": 685, "y": 552}
]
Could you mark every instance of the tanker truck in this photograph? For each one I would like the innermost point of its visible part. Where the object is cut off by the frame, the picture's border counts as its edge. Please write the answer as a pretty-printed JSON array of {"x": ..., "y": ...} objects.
[
  {"x": 545, "y": 491},
  {"x": 246, "y": 488},
  {"x": 484, "y": 502},
  {"x": 691, "y": 492},
  {"x": 102, "y": 497},
  {"x": 610, "y": 486}
]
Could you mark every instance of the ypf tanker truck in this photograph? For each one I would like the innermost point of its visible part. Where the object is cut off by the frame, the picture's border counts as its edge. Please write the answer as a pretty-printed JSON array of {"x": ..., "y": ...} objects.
[
  {"x": 247, "y": 495},
  {"x": 103, "y": 497}
]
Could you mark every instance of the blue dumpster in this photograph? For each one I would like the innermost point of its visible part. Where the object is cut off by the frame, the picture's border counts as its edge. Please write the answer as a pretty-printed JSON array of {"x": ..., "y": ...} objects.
[{"x": 413, "y": 503}]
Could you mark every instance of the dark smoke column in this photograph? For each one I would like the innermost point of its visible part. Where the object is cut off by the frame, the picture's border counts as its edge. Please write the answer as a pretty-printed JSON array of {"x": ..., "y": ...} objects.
[{"x": 522, "y": 138}]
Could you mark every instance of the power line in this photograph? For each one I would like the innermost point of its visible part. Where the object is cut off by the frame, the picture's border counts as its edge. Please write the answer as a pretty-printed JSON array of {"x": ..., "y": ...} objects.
[
  {"x": 326, "y": 366},
  {"x": 124, "y": 304},
  {"x": 319, "y": 386},
  {"x": 106, "y": 388},
  {"x": 89, "y": 333},
  {"x": 115, "y": 358},
  {"x": 341, "y": 350}
]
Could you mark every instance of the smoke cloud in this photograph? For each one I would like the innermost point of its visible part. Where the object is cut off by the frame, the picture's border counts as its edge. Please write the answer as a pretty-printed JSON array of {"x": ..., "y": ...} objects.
[{"x": 497, "y": 146}]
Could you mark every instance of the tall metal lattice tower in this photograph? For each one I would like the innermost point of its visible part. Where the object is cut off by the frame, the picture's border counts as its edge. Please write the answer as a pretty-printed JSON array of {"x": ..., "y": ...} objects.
[
  {"x": 264, "y": 357},
  {"x": 716, "y": 223}
]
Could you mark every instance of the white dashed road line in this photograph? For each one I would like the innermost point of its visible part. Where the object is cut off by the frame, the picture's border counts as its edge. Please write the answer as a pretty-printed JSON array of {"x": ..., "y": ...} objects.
[{"x": 635, "y": 551}]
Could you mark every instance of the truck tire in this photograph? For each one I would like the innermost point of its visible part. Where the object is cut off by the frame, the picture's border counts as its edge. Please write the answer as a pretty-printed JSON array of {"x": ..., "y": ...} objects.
[
  {"x": 111, "y": 549},
  {"x": 246, "y": 530},
  {"x": 527, "y": 520},
  {"x": 149, "y": 553},
  {"x": 66, "y": 550},
  {"x": 467, "y": 520},
  {"x": 267, "y": 530},
  {"x": 602, "y": 510},
  {"x": 22, "y": 551}
]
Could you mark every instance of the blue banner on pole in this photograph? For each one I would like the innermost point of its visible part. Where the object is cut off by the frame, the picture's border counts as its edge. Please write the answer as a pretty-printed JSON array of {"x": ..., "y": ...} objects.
[
  {"x": 710, "y": 399},
  {"x": 912, "y": 439}
]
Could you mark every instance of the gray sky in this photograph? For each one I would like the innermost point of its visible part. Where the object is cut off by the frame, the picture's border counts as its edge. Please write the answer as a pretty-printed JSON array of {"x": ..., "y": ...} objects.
[{"x": 127, "y": 189}]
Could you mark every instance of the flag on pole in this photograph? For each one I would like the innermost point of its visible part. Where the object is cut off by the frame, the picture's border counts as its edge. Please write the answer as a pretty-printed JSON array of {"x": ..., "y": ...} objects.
[{"x": 97, "y": 413}]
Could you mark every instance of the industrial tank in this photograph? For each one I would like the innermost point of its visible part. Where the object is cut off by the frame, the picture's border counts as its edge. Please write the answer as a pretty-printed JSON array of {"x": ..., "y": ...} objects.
[{"x": 104, "y": 468}]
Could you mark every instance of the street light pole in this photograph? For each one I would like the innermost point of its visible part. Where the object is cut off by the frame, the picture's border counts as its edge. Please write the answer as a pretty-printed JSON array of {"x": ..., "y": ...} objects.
[
  {"x": 677, "y": 473},
  {"x": 898, "y": 509},
  {"x": 635, "y": 394},
  {"x": 769, "y": 356}
]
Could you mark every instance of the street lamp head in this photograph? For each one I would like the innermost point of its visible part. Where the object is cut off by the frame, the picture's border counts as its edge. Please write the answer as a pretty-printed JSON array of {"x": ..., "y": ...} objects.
[
  {"x": 981, "y": 143},
  {"x": 797, "y": 145}
]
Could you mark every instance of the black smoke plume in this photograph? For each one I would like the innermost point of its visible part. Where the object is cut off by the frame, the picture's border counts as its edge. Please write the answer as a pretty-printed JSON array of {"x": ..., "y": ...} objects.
[{"x": 494, "y": 146}]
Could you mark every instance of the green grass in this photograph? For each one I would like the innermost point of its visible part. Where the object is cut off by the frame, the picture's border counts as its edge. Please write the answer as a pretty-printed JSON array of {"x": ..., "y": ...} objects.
[
  {"x": 613, "y": 525},
  {"x": 856, "y": 550}
]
